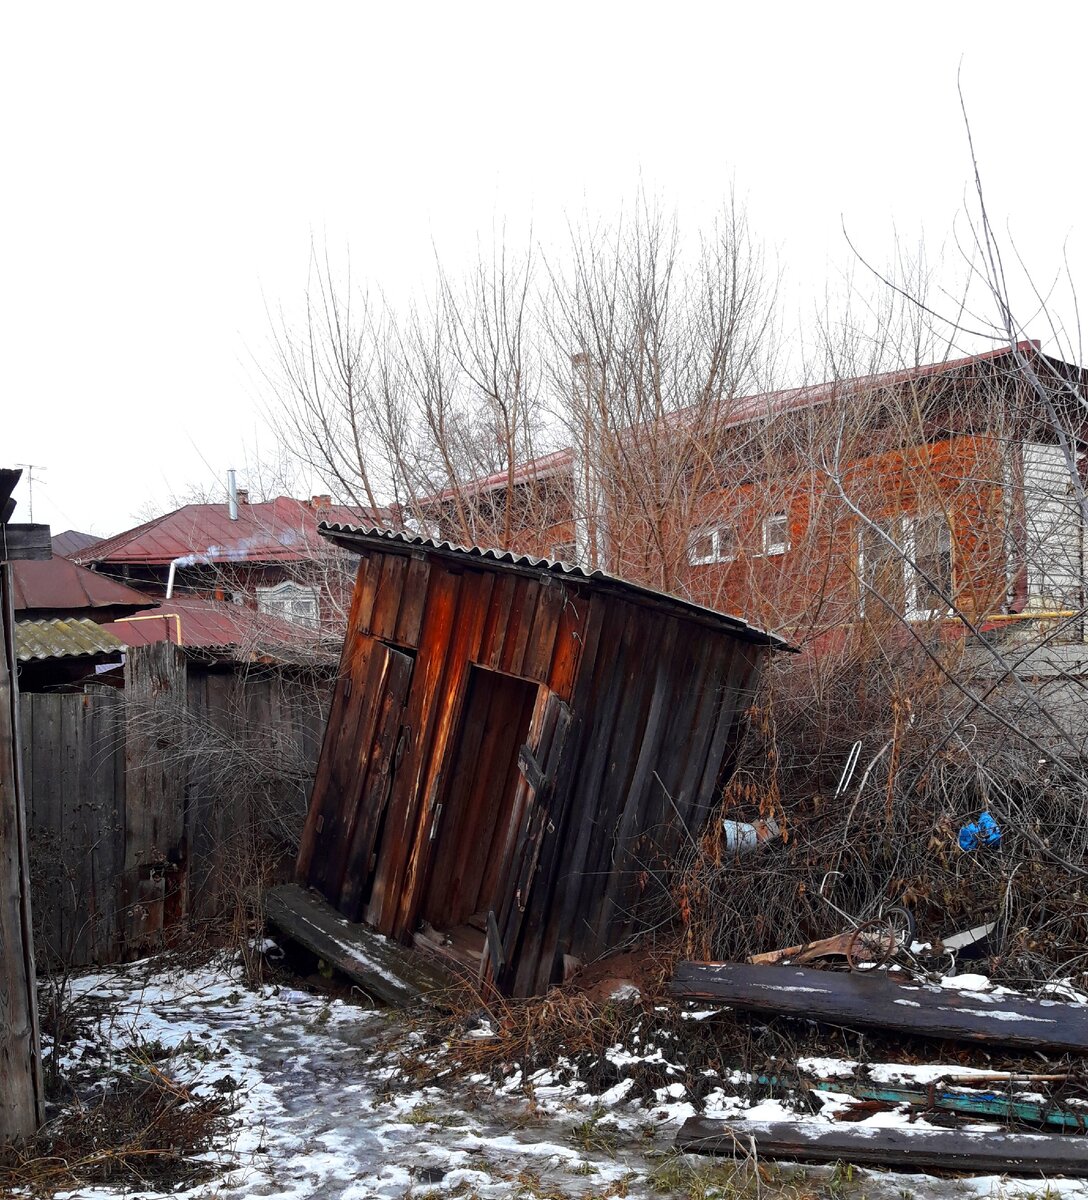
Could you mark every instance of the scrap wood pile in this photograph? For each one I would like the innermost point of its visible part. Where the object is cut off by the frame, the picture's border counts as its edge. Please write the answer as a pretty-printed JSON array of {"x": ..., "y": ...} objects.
[
  {"x": 904, "y": 1117},
  {"x": 871, "y": 838}
]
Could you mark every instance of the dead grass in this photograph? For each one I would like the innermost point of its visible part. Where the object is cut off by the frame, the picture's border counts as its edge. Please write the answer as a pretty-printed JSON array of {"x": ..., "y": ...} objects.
[{"x": 143, "y": 1129}]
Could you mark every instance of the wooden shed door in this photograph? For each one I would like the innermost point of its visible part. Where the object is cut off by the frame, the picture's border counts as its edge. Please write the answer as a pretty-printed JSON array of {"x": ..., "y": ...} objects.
[
  {"x": 538, "y": 763},
  {"x": 388, "y": 742},
  {"x": 351, "y": 793}
]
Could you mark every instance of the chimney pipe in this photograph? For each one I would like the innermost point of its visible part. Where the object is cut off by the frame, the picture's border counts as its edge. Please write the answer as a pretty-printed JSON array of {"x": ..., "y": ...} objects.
[{"x": 232, "y": 495}]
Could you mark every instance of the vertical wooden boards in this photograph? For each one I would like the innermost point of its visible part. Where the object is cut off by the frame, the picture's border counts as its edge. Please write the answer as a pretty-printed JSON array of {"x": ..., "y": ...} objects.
[
  {"x": 104, "y": 821},
  {"x": 443, "y": 588},
  {"x": 472, "y": 607},
  {"x": 413, "y": 600},
  {"x": 383, "y": 620},
  {"x": 155, "y": 862},
  {"x": 531, "y": 819},
  {"x": 622, "y": 879},
  {"x": 334, "y": 770},
  {"x": 359, "y": 616},
  {"x": 478, "y": 800},
  {"x": 45, "y": 822},
  {"x": 74, "y": 752},
  {"x": 20, "y": 1057},
  {"x": 376, "y": 773},
  {"x": 628, "y": 743},
  {"x": 339, "y": 812},
  {"x": 234, "y": 775},
  {"x": 619, "y": 658},
  {"x": 531, "y": 957}
]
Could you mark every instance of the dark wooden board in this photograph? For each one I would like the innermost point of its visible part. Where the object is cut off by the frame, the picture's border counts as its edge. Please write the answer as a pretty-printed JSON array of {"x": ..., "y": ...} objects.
[
  {"x": 856, "y": 999},
  {"x": 899, "y": 1146},
  {"x": 22, "y": 542},
  {"x": 380, "y": 967}
]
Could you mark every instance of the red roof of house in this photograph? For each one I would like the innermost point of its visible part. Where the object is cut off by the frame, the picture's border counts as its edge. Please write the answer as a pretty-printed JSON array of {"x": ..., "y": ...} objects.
[
  {"x": 58, "y": 585},
  {"x": 281, "y": 530},
  {"x": 192, "y": 621},
  {"x": 748, "y": 408}
]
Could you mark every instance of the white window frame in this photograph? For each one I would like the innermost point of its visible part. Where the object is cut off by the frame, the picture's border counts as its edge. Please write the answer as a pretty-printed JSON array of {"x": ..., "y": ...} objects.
[
  {"x": 279, "y": 601},
  {"x": 904, "y": 529},
  {"x": 782, "y": 545},
  {"x": 717, "y": 554}
]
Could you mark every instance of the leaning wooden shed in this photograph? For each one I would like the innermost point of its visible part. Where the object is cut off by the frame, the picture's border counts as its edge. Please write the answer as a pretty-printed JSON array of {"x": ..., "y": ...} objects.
[{"x": 515, "y": 750}]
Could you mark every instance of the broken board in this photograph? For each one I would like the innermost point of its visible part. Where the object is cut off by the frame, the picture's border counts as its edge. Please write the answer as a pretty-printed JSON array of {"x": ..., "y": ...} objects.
[
  {"x": 901, "y": 1146},
  {"x": 877, "y": 1000},
  {"x": 379, "y": 966}
]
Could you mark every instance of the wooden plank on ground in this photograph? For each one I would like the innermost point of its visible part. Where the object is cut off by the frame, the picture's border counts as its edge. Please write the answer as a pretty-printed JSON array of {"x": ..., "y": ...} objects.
[
  {"x": 869, "y": 999},
  {"x": 379, "y": 966},
  {"x": 901, "y": 1146}
]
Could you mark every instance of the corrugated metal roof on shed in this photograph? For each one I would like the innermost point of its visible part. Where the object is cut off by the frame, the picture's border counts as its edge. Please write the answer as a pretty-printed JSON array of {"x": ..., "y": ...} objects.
[
  {"x": 358, "y": 538},
  {"x": 58, "y": 638}
]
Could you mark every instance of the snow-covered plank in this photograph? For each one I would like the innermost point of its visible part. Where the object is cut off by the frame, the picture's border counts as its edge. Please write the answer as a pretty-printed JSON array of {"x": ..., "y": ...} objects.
[
  {"x": 876, "y": 999},
  {"x": 900, "y": 1146},
  {"x": 379, "y": 966}
]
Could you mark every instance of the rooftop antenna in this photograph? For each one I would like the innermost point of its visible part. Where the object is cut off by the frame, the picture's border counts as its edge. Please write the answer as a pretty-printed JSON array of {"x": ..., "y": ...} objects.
[{"x": 30, "y": 468}]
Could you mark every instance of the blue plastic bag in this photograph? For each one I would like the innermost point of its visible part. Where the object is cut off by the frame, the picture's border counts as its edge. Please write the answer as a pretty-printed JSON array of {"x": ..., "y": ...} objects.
[{"x": 983, "y": 832}]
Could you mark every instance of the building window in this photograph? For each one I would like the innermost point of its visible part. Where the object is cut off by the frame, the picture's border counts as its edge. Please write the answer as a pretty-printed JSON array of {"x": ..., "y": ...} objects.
[
  {"x": 711, "y": 544},
  {"x": 907, "y": 562},
  {"x": 562, "y": 552},
  {"x": 928, "y": 545},
  {"x": 290, "y": 602},
  {"x": 776, "y": 533}
]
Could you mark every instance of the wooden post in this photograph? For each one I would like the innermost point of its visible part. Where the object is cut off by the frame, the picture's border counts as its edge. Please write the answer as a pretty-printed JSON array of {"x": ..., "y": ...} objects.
[
  {"x": 20, "y": 1052},
  {"x": 156, "y": 886}
]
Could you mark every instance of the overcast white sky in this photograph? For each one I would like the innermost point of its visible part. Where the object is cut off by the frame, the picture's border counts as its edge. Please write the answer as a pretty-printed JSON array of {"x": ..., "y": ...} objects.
[{"x": 166, "y": 167}]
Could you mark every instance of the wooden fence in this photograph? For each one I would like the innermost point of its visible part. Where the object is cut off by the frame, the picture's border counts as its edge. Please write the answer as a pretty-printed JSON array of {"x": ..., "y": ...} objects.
[{"x": 157, "y": 806}]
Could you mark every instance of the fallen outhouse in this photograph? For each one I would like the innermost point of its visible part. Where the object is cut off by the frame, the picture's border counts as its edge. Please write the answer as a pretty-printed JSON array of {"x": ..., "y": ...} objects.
[{"x": 515, "y": 751}]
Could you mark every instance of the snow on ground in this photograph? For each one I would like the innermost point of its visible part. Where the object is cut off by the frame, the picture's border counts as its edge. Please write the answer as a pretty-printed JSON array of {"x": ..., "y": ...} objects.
[{"x": 321, "y": 1113}]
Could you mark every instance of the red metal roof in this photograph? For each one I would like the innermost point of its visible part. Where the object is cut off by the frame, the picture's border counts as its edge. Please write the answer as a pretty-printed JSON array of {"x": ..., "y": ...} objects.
[
  {"x": 192, "y": 621},
  {"x": 281, "y": 530},
  {"x": 56, "y": 584},
  {"x": 748, "y": 408}
]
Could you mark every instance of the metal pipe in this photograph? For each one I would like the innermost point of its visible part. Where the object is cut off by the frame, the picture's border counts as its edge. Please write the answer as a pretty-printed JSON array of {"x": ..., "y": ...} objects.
[
  {"x": 232, "y": 495},
  {"x": 167, "y": 617},
  {"x": 170, "y": 578}
]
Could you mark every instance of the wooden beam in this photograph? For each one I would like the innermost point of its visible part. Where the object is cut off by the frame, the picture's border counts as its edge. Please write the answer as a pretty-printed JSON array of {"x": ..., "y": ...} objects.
[
  {"x": 21, "y": 1103},
  {"x": 19, "y": 542},
  {"x": 877, "y": 1001},
  {"x": 901, "y": 1146},
  {"x": 380, "y": 967}
]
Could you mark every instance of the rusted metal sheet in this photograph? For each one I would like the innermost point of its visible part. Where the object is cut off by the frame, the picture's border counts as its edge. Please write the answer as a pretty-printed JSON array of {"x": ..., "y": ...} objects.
[
  {"x": 875, "y": 1000},
  {"x": 55, "y": 586},
  {"x": 557, "y": 731}
]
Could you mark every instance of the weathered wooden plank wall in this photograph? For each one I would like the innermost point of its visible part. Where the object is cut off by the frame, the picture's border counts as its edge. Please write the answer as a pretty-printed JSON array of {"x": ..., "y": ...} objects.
[
  {"x": 152, "y": 809},
  {"x": 74, "y": 755},
  {"x": 629, "y": 722}
]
